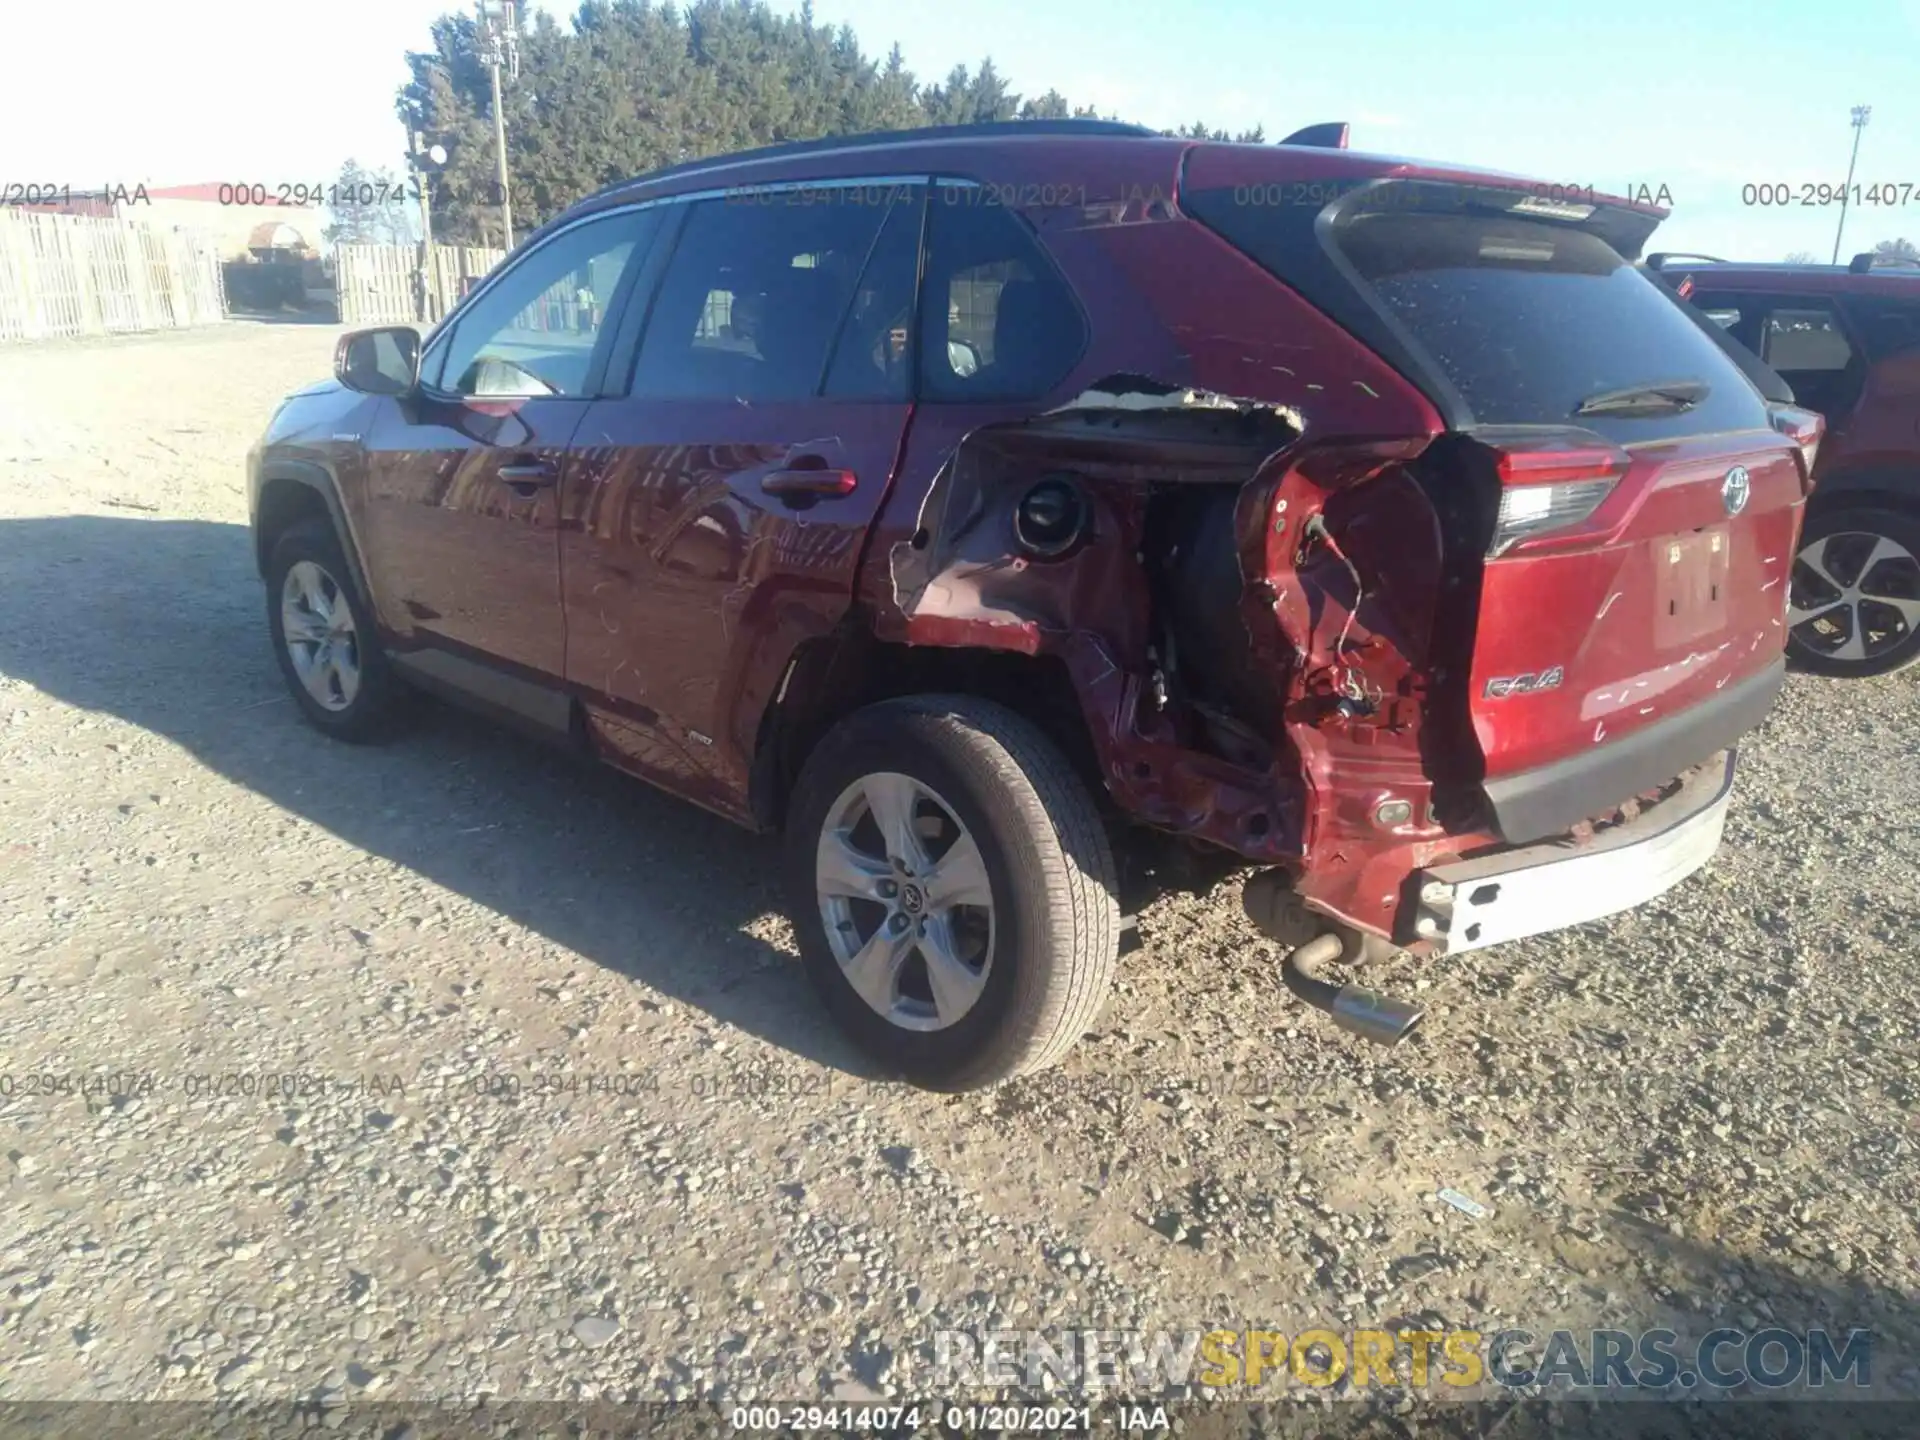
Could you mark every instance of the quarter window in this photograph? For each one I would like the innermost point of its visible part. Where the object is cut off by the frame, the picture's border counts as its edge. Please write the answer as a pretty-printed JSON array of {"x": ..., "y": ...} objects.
[
  {"x": 1887, "y": 327},
  {"x": 998, "y": 322}
]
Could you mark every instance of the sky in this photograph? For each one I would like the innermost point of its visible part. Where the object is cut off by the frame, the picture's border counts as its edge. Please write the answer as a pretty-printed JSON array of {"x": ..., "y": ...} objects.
[{"x": 1703, "y": 100}]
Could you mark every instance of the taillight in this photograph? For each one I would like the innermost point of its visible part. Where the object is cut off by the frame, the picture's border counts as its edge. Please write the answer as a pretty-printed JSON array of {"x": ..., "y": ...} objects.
[
  {"x": 1550, "y": 485},
  {"x": 1804, "y": 427}
]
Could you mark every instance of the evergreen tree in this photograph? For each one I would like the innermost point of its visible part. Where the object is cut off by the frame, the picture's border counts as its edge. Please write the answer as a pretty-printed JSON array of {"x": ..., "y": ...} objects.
[
  {"x": 633, "y": 85},
  {"x": 368, "y": 207}
]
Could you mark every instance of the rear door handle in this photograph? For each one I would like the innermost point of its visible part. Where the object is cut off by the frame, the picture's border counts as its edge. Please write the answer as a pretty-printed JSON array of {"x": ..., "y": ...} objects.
[
  {"x": 525, "y": 477},
  {"x": 810, "y": 483}
]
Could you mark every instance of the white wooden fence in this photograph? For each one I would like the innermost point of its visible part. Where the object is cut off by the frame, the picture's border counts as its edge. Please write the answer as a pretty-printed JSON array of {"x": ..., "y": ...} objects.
[
  {"x": 380, "y": 284},
  {"x": 68, "y": 275}
]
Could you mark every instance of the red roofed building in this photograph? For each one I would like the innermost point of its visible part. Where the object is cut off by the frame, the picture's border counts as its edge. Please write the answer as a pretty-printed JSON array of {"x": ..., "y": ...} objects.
[{"x": 246, "y": 219}]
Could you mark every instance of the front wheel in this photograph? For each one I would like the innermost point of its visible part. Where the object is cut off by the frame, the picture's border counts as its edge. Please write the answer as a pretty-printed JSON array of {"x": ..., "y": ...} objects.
[
  {"x": 324, "y": 638},
  {"x": 953, "y": 890},
  {"x": 1854, "y": 609}
]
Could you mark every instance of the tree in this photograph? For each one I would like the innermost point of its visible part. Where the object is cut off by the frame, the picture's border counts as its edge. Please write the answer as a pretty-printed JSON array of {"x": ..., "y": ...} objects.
[
  {"x": 1898, "y": 250},
  {"x": 368, "y": 207},
  {"x": 633, "y": 85},
  {"x": 1199, "y": 131},
  {"x": 1802, "y": 257}
]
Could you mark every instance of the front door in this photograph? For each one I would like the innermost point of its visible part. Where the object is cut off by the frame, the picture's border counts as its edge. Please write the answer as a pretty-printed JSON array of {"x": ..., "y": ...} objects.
[
  {"x": 462, "y": 484},
  {"x": 716, "y": 512}
]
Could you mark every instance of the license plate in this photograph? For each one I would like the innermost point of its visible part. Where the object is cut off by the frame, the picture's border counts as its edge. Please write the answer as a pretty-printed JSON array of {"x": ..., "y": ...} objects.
[{"x": 1690, "y": 585}]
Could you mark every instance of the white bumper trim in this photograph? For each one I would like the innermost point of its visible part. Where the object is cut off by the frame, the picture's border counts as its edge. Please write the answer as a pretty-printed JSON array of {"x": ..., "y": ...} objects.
[{"x": 1471, "y": 904}]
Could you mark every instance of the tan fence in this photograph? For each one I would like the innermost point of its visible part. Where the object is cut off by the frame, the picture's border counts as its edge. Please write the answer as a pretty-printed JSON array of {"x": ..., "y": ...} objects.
[
  {"x": 380, "y": 284},
  {"x": 66, "y": 275}
]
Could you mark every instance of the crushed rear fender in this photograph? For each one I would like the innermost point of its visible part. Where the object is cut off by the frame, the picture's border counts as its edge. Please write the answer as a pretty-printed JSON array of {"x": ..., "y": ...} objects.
[{"x": 1298, "y": 783}]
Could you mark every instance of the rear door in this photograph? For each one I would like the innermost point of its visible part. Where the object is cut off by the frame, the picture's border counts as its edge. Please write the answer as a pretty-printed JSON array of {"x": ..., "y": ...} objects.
[
  {"x": 718, "y": 506},
  {"x": 1884, "y": 430}
]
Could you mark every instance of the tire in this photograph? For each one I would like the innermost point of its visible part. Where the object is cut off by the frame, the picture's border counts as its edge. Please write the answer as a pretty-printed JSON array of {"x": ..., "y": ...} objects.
[
  {"x": 1859, "y": 615},
  {"x": 1038, "y": 959},
  {"x": 371, "y": 706}
]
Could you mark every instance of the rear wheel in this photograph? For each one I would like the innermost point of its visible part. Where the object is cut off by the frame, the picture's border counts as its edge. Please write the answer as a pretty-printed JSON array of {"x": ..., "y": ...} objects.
[
  {"x": 953, "y": 890},
  {"x": 1855, "y": 603}
]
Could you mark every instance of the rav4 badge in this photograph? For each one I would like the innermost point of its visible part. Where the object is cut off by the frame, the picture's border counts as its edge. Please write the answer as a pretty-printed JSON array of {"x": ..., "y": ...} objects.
[{"x": 1501, "y": 686}]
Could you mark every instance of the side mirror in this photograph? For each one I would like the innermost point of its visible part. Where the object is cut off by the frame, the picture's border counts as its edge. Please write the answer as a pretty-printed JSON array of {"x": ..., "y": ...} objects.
[
  {"x": 381, "y": 361},
  {"x": 963, "y": 358}
]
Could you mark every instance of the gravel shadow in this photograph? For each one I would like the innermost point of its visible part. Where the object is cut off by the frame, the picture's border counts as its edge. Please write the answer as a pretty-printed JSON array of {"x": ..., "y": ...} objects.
[{"x": 161, "y": 623}]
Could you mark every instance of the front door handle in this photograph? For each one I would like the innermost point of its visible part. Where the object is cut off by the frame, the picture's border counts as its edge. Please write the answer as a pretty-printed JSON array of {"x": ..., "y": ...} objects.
[
  {"x": 525, "y": 477},
  {"x": 809, "y": 483}
]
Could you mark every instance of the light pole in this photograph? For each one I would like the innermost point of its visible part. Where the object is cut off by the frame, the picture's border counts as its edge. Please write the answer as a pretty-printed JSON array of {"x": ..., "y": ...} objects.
[
  {"x": 500, "y": 46},
  {"x": 1860, "y": 114},
  {"x": 426, "y": 160}
]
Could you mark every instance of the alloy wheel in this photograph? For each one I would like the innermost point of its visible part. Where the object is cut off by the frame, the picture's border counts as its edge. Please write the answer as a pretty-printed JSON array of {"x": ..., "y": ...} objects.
[
  {"x": 321, "y": 639},
  {"x": 1855, "y": 595},
  {"x": 905, "y": 901}
]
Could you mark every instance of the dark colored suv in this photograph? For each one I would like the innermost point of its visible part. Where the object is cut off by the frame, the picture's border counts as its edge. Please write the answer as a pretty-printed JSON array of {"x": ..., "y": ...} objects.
[
  {"x": 948, "y": 499},
  {"x": 1846, "y": 338}
]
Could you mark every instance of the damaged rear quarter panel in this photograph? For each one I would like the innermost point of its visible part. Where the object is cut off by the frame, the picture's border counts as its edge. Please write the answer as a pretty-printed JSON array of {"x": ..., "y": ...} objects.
[
  {"x": 961, "y": 580},
  {"x": 1254, "y": 385}
]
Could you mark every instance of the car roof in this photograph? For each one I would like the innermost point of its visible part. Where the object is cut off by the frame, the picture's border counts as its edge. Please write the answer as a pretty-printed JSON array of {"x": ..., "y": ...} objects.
[{"x": 1063, "y": 152}]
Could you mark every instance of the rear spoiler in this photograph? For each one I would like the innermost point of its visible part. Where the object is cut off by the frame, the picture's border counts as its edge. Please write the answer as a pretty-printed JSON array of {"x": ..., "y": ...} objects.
[{"x": 1332, "y": 135}]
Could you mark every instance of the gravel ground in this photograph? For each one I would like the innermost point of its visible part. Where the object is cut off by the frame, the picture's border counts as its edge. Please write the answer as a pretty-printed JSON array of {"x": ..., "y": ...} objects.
[{"x": 678, "y": 1181}]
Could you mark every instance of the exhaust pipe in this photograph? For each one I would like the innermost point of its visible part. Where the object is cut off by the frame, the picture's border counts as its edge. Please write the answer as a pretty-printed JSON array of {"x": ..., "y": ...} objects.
[{"x": 1354, "y": 1008}]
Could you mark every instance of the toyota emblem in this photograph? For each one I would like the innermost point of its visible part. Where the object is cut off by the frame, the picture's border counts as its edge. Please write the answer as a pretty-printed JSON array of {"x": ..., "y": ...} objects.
[{"x": 1736, "y": 489}]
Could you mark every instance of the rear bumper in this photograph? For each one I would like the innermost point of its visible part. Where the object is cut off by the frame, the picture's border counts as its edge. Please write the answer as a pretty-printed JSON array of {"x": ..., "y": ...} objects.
[
  {"x": 1470, "y": 904},
  {"x": 1554, "y": 798}
]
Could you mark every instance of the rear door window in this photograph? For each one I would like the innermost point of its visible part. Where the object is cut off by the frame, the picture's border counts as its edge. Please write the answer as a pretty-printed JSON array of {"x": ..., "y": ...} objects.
[
  {"x": 1804, "y": 336},
  {"x": 758, "y": 292}
]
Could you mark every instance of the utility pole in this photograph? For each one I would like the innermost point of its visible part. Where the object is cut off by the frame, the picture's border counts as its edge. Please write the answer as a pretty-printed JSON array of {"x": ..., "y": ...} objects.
[
  {"x": 500, "y": 46},
  {"x": 1860, "y": 114}
]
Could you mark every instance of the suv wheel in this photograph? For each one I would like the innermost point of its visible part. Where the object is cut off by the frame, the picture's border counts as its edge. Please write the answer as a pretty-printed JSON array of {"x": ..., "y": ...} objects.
[
  {"x": 324, "y": 638},
  {"x": 1855, "y": 603},
  {"x": 953, "y": 890}
]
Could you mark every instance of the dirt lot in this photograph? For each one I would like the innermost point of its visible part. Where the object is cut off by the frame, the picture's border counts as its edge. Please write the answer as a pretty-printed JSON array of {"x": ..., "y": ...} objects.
[{"x": 1704, "y": 1113}]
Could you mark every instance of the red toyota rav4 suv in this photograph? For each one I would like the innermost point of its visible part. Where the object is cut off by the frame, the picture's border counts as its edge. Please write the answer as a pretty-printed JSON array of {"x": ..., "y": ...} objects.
[
  {"x": 1846, "y": 338},
  {"x": 943, "y": 497}
]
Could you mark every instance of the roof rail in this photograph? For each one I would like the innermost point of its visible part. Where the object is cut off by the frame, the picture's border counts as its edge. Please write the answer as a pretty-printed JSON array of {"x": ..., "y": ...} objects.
[
  {"x": 875, "y": 138},
  {"x": 1655, "y": 262},
  {"x": 1332, "y": 135},
  {"x": 1872, "y": 259}
]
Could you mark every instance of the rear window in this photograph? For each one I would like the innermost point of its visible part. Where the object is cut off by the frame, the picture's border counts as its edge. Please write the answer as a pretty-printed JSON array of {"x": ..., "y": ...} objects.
[{"x": 1522, "y": 318}]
